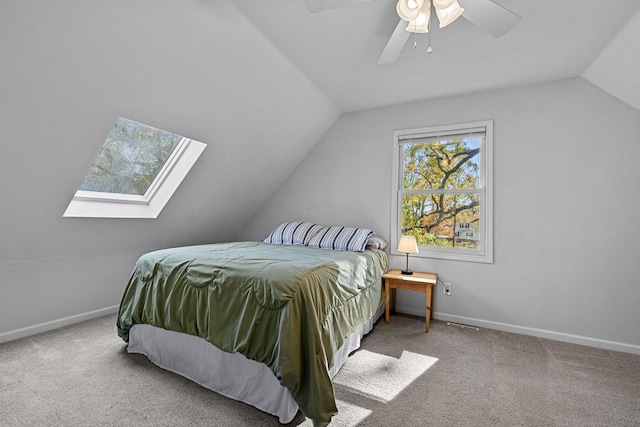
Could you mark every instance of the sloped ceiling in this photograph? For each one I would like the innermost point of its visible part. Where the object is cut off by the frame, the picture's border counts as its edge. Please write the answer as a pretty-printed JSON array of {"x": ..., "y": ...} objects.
[
  {"x": 617, "y": 68},
  {"x": 260, "y": 82},
  {"x": 198, "y": 68},
  {"x": 338, "y": 49}
]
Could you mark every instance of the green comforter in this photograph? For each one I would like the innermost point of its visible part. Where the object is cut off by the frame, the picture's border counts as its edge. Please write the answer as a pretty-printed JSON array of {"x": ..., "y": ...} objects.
[{"x": 289, "y": 307}]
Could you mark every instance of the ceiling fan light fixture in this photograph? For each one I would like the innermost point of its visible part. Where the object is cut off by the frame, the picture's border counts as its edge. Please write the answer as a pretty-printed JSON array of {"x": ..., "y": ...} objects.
[
  {"x": 409, "y": 9},
  {"x": 450, "y": 14},
  {"x": 421, "y": 23}
]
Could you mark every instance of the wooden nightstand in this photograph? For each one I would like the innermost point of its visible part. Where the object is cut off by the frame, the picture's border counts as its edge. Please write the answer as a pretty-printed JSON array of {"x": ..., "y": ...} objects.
[{"x": 420, "y": 282}]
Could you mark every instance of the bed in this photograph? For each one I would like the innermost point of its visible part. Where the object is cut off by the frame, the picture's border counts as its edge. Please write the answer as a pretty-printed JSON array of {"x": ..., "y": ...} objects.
[{"x": 268, "y": 323}]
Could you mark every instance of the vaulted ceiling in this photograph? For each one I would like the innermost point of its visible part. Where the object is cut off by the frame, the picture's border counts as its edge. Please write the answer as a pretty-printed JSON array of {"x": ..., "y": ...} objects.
[
  {"x": 260, "y": 82},
  {"x": 338, "y": 49}
]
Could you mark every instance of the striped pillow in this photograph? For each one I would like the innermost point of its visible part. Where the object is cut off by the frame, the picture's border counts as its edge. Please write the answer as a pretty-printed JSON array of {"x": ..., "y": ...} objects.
[
  {"x": 293, "y": 233},
  {"x": 341, "y": 238}
]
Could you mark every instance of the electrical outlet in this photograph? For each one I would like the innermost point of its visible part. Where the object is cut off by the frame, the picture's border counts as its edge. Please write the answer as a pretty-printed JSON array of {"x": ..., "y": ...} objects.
[{"x": 448, "y": 288}]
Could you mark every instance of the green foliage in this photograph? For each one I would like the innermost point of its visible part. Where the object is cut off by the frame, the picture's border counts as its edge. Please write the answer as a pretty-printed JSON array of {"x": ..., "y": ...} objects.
[
  {"x": 130, "y": 159},
  {"x": 433, "y": 205}
]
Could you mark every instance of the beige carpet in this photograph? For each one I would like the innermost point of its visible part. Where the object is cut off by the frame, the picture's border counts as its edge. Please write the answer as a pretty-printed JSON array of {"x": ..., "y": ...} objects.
[{"x": 82, "y": 375}]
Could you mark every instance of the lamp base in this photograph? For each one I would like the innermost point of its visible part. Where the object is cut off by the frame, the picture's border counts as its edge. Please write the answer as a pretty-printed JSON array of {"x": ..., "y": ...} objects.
[{"x": 407, "y": 272}]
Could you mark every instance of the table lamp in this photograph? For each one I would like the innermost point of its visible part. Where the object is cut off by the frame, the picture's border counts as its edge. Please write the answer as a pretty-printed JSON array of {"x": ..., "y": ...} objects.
[{"x": 408, "y": 245}]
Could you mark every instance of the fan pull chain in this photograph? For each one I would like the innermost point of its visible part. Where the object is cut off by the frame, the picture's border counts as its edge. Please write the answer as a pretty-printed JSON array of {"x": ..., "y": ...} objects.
[{"x": 429, "y": 50}]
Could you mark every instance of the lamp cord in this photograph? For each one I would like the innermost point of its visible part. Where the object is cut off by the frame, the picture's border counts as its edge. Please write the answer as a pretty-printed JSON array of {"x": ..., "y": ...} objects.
[{"x": 444, "y": 290}]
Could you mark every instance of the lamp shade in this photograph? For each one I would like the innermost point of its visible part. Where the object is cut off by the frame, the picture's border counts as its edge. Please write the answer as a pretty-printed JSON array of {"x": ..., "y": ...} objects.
[
  {"x": 450, "y": 14},
  {"x": 408, "y": 9},
  {"x": 421, "y": 22},
  {"x": 408, "y": 245}
]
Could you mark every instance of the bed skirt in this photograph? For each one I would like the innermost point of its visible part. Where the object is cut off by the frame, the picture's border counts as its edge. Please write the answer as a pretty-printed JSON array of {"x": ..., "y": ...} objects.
[{"x": 229, "y": 374}]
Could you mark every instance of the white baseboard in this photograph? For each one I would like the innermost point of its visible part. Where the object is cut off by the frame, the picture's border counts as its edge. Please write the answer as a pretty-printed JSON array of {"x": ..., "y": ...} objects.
[
  {"x": 55, "y": 324},
  {"x": 523, "y": 330}
]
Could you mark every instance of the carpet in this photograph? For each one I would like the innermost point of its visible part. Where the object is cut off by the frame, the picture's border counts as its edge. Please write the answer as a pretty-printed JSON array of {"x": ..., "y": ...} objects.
[{"x": 82, "y": 375}]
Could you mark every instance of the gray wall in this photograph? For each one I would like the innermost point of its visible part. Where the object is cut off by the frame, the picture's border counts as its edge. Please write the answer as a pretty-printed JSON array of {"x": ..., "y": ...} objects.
[
  {"x": 567, "y": 258},
  {"x": 68, "y": 69}
]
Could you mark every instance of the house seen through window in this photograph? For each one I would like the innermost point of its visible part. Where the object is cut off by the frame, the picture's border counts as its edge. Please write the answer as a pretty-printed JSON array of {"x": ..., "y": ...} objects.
[{"x": 443, "y": 192}]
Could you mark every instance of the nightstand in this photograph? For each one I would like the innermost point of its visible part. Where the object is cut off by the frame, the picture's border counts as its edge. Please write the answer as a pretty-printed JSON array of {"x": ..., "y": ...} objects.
[{"x": 419, "y": 282}]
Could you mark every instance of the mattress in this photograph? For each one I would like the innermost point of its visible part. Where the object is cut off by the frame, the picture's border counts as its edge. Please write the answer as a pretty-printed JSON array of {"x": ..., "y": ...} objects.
[{"x": 230, "y": 374}]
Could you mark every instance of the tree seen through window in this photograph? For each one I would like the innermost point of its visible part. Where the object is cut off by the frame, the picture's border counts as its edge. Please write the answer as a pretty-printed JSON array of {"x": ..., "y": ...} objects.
[
  {"x": 441, "y": 192},
  {"x": 130, "y": 159}
]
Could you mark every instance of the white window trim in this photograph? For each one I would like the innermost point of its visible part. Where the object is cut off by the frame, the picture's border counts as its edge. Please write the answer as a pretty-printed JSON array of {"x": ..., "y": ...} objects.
[
  {"x": 485, "y": 254},
  {"x": 94, "y": 204}
]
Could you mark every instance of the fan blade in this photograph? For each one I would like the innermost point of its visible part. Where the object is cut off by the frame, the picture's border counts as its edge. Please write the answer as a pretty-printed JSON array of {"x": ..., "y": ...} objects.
[
  {"x": 395, "y": 44},
  {"x": 315, "y": 6},
  {"x": 489, "y": 16}
]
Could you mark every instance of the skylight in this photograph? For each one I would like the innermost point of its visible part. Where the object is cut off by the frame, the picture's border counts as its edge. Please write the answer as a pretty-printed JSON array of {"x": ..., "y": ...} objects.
[{"x": 135, "y": 173}]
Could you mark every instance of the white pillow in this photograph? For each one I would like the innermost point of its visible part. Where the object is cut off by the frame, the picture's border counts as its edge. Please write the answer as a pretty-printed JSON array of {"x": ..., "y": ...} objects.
[
  {"x": 293, "y": 233},
  {"x": 376, "y": 242},
  {"x": 341, "y": 238}
]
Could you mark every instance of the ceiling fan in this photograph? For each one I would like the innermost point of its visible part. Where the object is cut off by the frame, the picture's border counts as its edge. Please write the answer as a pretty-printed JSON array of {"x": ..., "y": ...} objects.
[{"x": 415, "y": 16}]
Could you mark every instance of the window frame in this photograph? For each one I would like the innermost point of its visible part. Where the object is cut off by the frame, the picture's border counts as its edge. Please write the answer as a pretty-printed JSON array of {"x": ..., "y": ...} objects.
[
  {"x": 96, "y": 204},
  {"x": 485, "y": 253}
]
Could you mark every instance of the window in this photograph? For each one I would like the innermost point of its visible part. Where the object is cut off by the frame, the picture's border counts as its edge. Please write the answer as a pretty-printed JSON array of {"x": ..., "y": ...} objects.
[
  {"x": 443, "y": 191},
  {"x": 135, "y": 173}
]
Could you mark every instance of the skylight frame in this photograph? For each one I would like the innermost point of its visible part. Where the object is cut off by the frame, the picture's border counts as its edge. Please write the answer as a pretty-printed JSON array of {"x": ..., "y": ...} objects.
[
  {"x": 148, "y": 195},
  {"x": 97, "y": 204}
]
